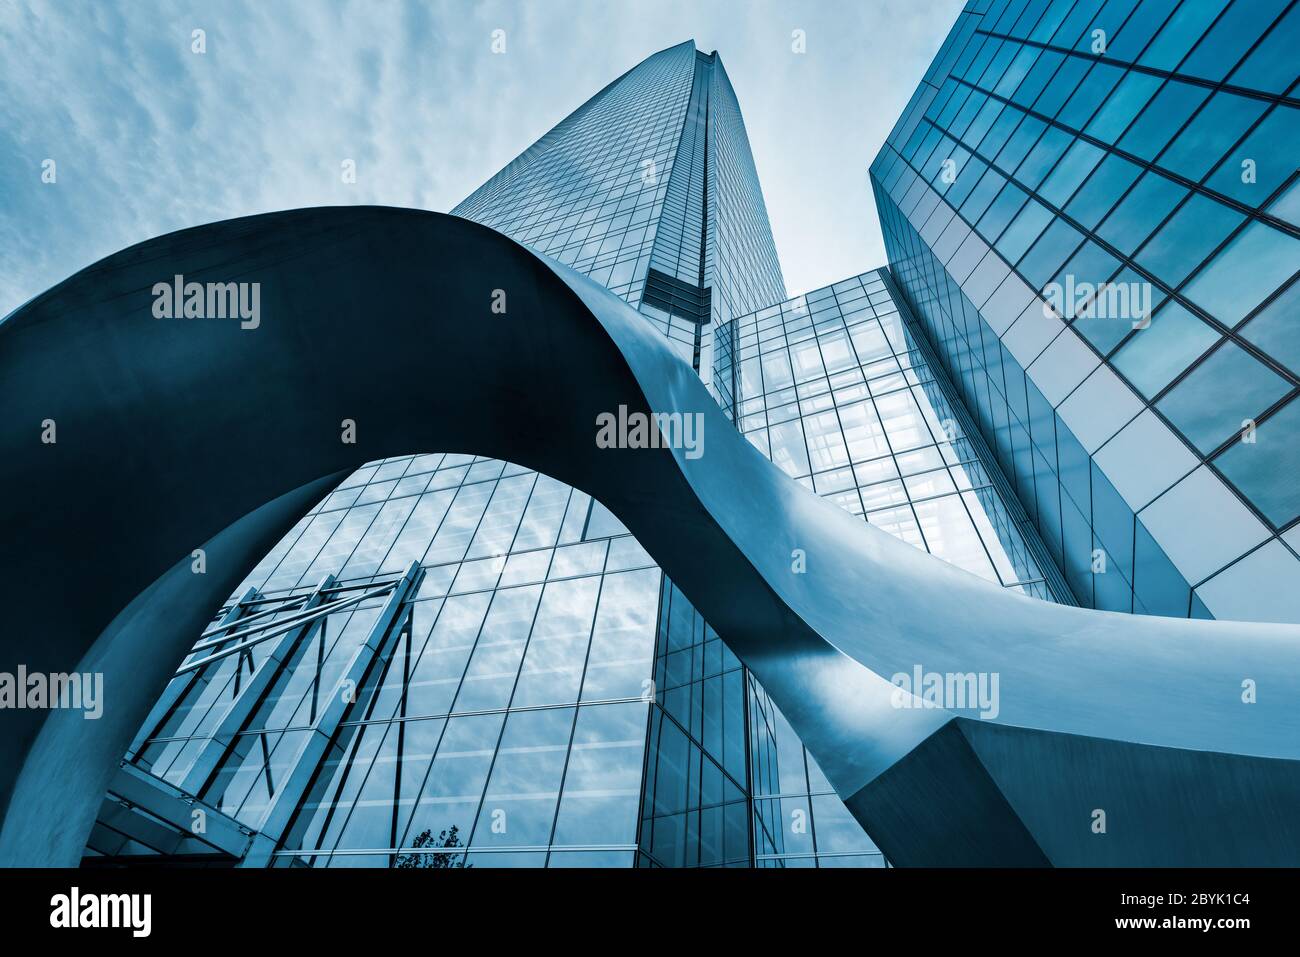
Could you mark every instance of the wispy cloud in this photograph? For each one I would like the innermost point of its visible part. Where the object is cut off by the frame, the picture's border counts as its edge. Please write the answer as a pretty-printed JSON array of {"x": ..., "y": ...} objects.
[{"x": 149, "y": 136}]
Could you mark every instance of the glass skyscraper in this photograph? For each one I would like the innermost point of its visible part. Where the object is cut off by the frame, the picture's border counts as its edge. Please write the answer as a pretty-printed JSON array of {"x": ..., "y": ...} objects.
[
  {"x": 1132, "y": 166},
  {"x": 525, "y": 687}
]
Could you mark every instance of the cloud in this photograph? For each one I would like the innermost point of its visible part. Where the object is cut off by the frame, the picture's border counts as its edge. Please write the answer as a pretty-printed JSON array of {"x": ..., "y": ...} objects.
[{"x": 150, "y": 137}]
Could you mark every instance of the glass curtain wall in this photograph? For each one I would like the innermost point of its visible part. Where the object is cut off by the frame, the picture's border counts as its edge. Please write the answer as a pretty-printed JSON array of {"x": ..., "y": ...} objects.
[
  {"x": 837, "y": 388},
  {"x": 517, "y": 714},
  {"x": 1093, "y": 208}
]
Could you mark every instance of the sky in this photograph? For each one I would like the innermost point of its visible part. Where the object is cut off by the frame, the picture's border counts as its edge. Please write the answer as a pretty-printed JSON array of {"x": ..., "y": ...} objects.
[{"x": 148, "y": 136}]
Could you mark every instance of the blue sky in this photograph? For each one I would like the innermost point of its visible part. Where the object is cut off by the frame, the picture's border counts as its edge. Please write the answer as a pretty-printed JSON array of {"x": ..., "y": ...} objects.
[{"x": 148, "y": 136}]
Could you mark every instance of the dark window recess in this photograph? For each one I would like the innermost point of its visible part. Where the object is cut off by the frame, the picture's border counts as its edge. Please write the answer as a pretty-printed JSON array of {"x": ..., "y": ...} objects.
[{"x": 677, "y": 297}]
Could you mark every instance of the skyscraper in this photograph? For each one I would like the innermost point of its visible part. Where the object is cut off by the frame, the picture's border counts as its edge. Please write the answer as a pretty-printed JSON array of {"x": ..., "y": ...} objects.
[
  {"x": 1093, "y": 209},
  {"x": 550, "y": 697}
]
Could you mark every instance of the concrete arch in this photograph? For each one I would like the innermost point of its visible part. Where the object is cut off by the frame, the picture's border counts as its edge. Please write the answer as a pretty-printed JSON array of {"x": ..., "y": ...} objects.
[{"x": 174, "y": 434}]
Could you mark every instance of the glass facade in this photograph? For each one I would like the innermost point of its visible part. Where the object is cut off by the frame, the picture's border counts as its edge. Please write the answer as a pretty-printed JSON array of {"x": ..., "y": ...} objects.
[
  {"x": 1092, "y": 208},
  {"x": 543, "y": 673},
  {"x": 836, "y": 387},
  {"x": 507, "y": 722},
  {"x": 454, "y": 661},
  {"x": 839, "y": 389},
  {"x": 514, "y": 691}
]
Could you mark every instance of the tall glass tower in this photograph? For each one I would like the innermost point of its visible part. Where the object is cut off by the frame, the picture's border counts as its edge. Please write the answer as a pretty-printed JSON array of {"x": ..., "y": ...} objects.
[
  {"x": 455, "y": 661},
  {"x": 1093, "y": 209}
]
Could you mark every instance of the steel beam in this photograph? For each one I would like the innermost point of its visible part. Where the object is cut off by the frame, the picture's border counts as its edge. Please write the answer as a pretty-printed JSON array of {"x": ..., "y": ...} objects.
[{"x": 335, "y": 708}]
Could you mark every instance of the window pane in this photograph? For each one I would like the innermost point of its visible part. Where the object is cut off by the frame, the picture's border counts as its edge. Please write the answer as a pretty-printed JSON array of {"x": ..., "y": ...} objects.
[
  {"x": 1023, "y": 230},
  {"x": 1179, "y": 34},
  {"x": 1070, "y": 172},
  {"x": 1274, "y": 329},
  {"x": 1264, "y": 160},
  {"x": 1271, "y": 65},
  {"x": 1141, "y": 211},
  {"x": 1125, "y": 103},
  {"x": 1265, "y": 471},
  {"x": 1189, "y": 236},
  {"x": 1154, "y": 356},
  {"x": 1230, "y": 37},
  {"x": 1257, "y": 261},
  {"x": 1164, "y": 116},
  {"x": 1219, "y": 124},
  {"x": 1228, "y": 388}
]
